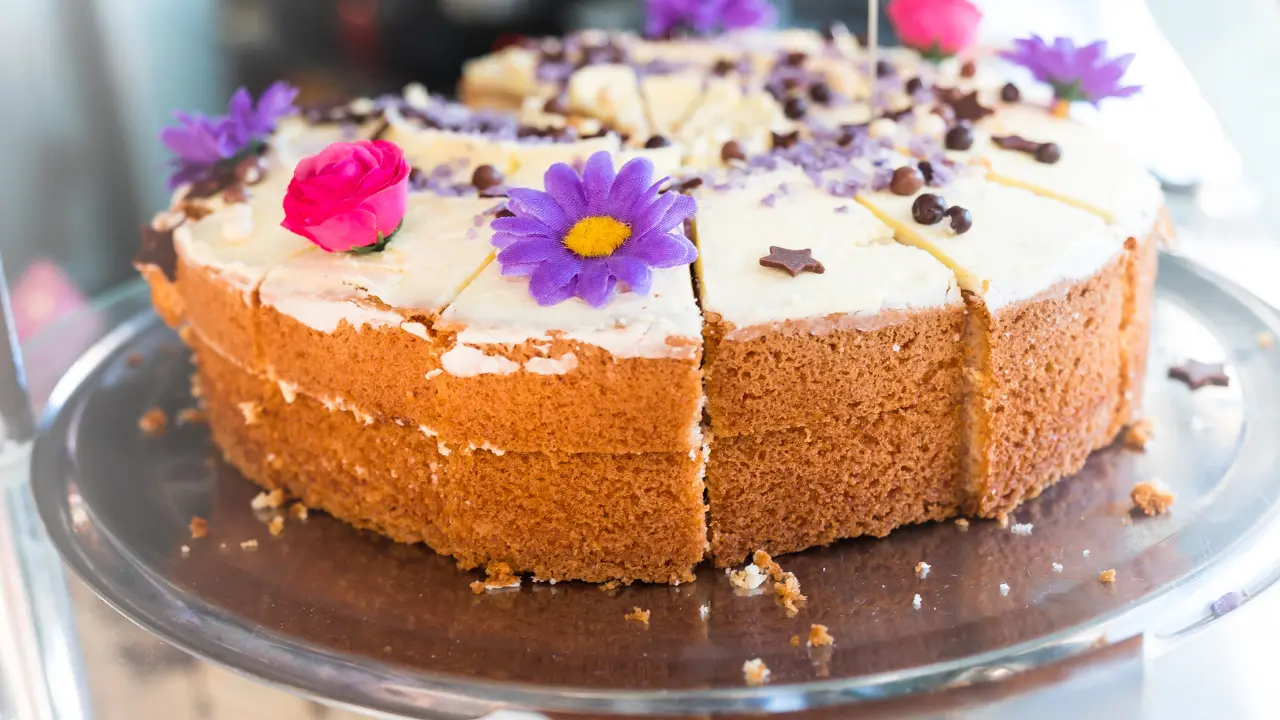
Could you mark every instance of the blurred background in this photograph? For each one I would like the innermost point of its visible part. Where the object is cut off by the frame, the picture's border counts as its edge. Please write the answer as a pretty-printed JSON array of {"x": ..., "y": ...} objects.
[{"x": 89, "y": 83}]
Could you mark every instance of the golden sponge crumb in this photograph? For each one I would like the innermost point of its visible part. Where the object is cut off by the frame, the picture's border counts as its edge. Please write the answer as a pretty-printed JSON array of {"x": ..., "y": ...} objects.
[
  {"x": 755, "y": 672},
  {"x": 788, "y": 592},
  {"x": 154, "y": 422},
  {"x": 199, "y": 527},
  {"x": 1152, "y": 498},
  {"x": 1137, "y": 435},
  {"x": 276, "y": 526},
  {"x": 298, "y": 511},
  {"x": 249, "y": 545},
  {"x": 1107, "y": 576},
  {"x": 638, "y": 615},
  {"x": 795, "y": 641},
  {"x": 498, "y": 576},
  {"x": 819, "y": 637}
]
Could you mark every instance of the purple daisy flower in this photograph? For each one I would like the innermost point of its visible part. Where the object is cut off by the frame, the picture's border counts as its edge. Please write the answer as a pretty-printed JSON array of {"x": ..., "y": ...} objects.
[
  {"x": 587, "y": 233},
  {"x": 707, "y": 16},
  {"x": 1084, "y": 73},
  {"x": 200, "y": 144}
]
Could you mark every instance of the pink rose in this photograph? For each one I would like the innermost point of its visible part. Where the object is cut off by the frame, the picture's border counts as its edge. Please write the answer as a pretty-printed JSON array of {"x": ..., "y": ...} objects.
[
  {"x": 351, "y": 195},
  {"x": 935, "y": 27}
]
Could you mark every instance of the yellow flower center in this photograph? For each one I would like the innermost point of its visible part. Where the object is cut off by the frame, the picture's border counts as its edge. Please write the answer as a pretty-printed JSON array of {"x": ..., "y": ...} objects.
[{"x": 596, "y": 236}]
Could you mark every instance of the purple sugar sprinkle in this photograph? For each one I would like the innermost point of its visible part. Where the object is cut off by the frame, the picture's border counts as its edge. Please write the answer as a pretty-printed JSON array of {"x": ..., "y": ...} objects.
[
  {"x": 442, "y": 172},
  {"x": 843, "y": 210},
  {"x": 472, "y": 233},
  {"x": 881, "y": 178},
  {"x": 784, "y": 188},
  {"x": 477, "y": 221},
  {"x": 1226, "y": 604},
  {"x": 769, "y": 200}
]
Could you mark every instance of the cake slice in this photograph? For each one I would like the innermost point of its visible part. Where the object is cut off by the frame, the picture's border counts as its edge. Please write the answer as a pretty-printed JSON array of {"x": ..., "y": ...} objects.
[
  {"x": 1104, "y": 178},
  {"x": 1044, "y": 282},
  {"x": 591, "y": 516},
  {"x": 834, "y": 397},
  {"x": 223, "y": 258},
  {"x": 570, "y": 377},
  {"x": 359, "y": 329}
]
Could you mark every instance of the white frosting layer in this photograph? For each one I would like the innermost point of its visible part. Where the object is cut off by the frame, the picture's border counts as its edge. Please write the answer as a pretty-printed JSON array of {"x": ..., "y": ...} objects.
[
  {"x": 466, "y": 361},
  {"x": 529, "y": 162},
  {"x": 551, "y": 366},
  {"x": 428, "y": 147},
  {"x": 494, "y": 310},
  {"x": 1020, "y": 244},
  {"x": 442, "y": 244},
  {"x": 243, "y": 259},
  {"x": 610, "y": 93},
  {"x": 1094, "y": 173},
  {"x": 512, "y": 70},
  {"x": 866, "y": 271}
]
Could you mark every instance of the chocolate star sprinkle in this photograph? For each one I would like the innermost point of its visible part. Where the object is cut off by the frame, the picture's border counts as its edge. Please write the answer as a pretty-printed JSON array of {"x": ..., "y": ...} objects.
[
  {"x": 792, "y": 261},
  {"x": 968, "y": 108},
  {"x": 1197, "y": 374}
]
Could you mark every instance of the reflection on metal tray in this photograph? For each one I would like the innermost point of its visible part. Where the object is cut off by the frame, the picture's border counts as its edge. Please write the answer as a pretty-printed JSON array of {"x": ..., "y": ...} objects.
[{"x": 352, "y": 618}]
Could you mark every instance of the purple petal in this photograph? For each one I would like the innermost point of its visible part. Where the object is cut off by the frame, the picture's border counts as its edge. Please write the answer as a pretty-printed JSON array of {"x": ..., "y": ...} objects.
[
  {"x": 596, "y": 283},
  {"x": 597, "y": 181},
  {"x": 632, "y": 182},
  {"x": 521, "y": 226},
  {"x": 565, "y": 187},
  {"x": 532, "y": 251},
  {"x": 632, "y": 271},
  {"x": 660, "y": 250},
  {"x": 540, "y": 206},
  {"x": 553, "y": 281}
]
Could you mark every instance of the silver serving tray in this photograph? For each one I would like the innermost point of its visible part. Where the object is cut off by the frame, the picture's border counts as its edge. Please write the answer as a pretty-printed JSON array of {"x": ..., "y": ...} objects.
[{"x": 353, "y": 619}]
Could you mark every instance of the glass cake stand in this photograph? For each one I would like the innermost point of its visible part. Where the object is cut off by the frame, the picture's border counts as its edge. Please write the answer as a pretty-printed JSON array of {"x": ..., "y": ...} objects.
[{"x": 354, "y": 620}]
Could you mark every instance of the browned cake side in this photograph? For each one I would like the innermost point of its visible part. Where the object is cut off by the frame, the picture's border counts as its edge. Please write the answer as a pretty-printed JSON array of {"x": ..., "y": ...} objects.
[
  {"x": 592, "y": 517},
  {"x": 165, "y": 297},
  {"x": 821, "y": 436},
  {"x": 1142, "y": 256},
  {"x": 789, "y": 490},
  {"x": 1050, "y": 393},
  {"x": 795, "y": 377},
  {"x": 222, "y": 312},
  {"x": 604, "y": 404}
]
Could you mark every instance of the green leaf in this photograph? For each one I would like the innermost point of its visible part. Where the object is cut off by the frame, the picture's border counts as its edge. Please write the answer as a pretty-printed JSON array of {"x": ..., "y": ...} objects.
[{"x": 378, "y": 245}]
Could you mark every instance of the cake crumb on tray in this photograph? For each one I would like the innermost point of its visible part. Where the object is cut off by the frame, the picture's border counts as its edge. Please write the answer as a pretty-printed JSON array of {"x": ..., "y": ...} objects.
[
  {"x": 498, "y": 576},
  {"x": 638, "y": 615},
  {"x": 1152, "y": 497},
  {"x": 819, "y": 637},
  {"x": 1107, "y": 577},
  {"x": 199, "y": 527},
  {"x": 755, "y": 672},
  {"x": 1137, "y": 435},
  {"x": 154, "y": 422}
]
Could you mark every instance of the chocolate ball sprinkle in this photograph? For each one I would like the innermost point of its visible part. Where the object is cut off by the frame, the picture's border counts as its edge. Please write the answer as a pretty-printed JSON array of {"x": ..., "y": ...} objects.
[
  {"x": 820, "y": 92},
  {"x": 914, "y": 85},
  {"x": 1048, "y": 153},
  {"x": 906, "y": 181},
  {"x": 731, "y": 151},
  {"x": 1010, "y": 93},
  {"x": 968, "y": 69},
  {"x": 884, "y": 69},
  {"x": 236, "y": 193},
  {"x": 556, "y": 106},
  {"x": 795, "y": 108},
  {"x": 657, "y": 141},
  {"x": 723, "y": 67},
  {"x": 959, "y": 137},
  {"x": 926, "y": 171},
  {"x": 928, "y": 209},
  {"x": 485, "y": 177},
  {"x": 795, "y": 59},
  {"x": 961, "y": 219}
]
